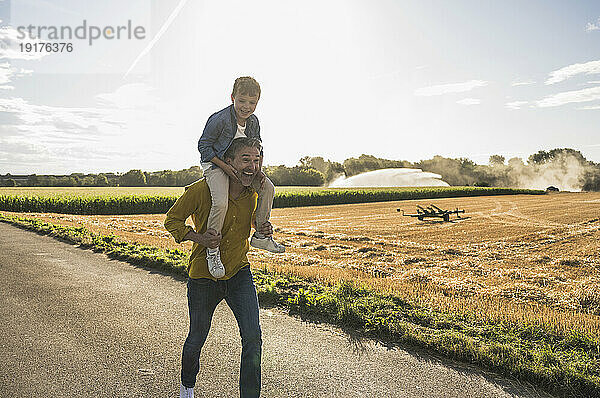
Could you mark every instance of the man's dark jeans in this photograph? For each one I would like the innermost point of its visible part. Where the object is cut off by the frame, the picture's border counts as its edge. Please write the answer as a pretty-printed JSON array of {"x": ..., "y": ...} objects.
[{"x": 240, "y": 294}]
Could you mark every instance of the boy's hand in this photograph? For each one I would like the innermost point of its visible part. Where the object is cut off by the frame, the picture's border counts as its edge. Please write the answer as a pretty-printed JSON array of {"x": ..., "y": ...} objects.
[
  {"x": 262, "y": 177},
  {"x": 210, "y": 238},
  {"x": 231, "y": 172},
  {"x": 266, "y": 229}
]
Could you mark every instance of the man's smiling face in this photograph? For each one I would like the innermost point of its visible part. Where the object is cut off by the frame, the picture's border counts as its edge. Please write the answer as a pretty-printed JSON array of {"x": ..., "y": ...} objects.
[{"x": 246, "y": 162}]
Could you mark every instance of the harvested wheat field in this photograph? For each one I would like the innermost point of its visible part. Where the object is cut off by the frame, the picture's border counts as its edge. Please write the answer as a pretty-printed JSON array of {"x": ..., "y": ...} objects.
[{"x": 517, "y": 258}]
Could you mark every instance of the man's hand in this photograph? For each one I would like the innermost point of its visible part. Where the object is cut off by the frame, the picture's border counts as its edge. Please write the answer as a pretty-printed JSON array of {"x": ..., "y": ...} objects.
[
  {"x": 266, "y": 229},
  {"x": 210, "y": 238}
]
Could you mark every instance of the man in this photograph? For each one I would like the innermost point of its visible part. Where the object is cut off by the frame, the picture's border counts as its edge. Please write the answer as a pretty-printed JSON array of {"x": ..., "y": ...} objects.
[{"x": 236, "y": 286}]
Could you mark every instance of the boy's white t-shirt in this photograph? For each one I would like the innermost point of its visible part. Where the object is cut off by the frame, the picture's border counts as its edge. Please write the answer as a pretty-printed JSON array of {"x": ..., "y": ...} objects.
[{"x": 240, "y": 133}]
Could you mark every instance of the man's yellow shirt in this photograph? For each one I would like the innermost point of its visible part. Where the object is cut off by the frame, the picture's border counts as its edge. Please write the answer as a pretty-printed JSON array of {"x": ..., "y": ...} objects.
[{"x": 196, "y": 202}]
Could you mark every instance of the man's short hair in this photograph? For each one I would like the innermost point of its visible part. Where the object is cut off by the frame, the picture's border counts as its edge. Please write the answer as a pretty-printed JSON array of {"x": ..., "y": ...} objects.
[
  {"x": 246, "y": 85},
  {"x": 239, "y": 143}
]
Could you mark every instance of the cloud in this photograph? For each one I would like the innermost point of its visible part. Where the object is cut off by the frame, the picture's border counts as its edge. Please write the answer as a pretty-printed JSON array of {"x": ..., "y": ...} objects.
[
  {"x": 7, "y": 73},
  {"x": 21, "y": 155},
  {"x": 65, "y": 119},
  {"x": 592, "y": 26},
  {"x": 469, "y": 101},
  {"x": 567, "y": 72},
  {"x": 50, "y": 139},
  {"x": 9, "y": 45},
  {"x": 515, "y": 104},
  {"x": 130, "y": 96},
  {"x": 450, "y": 88},
  {"x": 567, "y": 97},
  {"x": 522, "y": 83},
  {"x": 111, "y": 135},
  {"x": 591, "y": 107}
]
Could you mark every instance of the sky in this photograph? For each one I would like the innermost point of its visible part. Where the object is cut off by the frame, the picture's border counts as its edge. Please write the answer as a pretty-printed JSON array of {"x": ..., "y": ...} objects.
[{"x": 404, "y": 80}]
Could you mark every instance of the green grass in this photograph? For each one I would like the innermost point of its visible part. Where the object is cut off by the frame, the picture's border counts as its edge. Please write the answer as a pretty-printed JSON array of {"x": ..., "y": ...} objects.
[
  {"x": 114, "y": 201},
  {"x": 566, "y": 364}
]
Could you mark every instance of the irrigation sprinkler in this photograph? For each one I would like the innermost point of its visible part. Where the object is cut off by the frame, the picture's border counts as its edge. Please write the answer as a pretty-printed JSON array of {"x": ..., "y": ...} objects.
[{"x": 432, "y": 211}]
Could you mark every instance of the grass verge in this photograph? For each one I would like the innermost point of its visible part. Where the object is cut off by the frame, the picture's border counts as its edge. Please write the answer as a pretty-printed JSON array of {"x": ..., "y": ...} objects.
[{"x": 567, "y": 364}]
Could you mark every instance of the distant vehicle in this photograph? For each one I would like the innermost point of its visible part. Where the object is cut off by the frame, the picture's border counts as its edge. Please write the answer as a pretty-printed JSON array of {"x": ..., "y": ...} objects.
[
  {"x": 432, "y": 211},
  {"x": 551, "y": 188}
]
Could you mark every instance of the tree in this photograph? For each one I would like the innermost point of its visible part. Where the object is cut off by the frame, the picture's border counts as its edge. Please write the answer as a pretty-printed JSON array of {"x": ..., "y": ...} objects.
[
  {"x": 516, "y": 163},
  {"x": 52, "y": 181},
  {"x": 101, "y": 180},
  {"x": 294, "y": 176},
  {"x": 335, "y": 170},
  {"x": 541, "y": 157},
  {"x": 363, "y": 163},
  {"x": 65, "y": 181},
  {"x": 305, "y": 161},
  {"x": 87, "y": 181},
  {"x": 591, "y": 178},
  {"x": 32, "y": 180},
  {"x": 188, "y": 176},
  {"x": 10, "y": 183},
  {"x": 497, "y": 160},
  {"x": 133, "y": 178},
  {"x": 453, "y": 171},
  {"x": 317, "y": 163},
  {"x": 329, "y": 169}
]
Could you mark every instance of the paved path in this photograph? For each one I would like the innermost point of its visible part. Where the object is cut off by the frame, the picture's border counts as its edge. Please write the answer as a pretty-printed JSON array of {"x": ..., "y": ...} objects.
[{"x": 74, "y": 323}]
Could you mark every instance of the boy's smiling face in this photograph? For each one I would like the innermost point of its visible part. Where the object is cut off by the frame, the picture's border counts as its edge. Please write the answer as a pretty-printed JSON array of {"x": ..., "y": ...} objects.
[{"x": 244, "y": 106}]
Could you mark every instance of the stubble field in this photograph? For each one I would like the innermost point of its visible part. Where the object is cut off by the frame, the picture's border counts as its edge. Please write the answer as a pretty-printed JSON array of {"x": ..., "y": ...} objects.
[{"x": 515, "y": 258}]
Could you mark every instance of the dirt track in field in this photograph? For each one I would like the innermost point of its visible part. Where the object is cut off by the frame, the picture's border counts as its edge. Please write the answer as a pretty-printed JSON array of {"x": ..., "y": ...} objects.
[{"x": 523, "y": 247}]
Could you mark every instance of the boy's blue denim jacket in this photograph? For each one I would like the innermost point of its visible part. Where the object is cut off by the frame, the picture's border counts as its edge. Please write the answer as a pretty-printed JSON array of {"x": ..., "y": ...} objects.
[{"x": 219, "y": 132}]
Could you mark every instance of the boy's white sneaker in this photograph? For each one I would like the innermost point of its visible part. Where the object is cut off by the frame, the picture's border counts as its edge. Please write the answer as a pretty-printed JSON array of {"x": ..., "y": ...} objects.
[
  {"x": 185, "y": 392},
  {"x": 215, "y": 266},
  {"x": 266, "y": 243}
]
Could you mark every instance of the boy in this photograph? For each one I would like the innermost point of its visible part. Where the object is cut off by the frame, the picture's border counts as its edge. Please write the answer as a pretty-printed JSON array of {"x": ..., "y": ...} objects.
[{"x": 237, "y": 120}]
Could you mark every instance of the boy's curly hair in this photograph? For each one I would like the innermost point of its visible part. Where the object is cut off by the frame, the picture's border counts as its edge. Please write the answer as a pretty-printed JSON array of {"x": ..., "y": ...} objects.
[{"x": 246, "y": 85}]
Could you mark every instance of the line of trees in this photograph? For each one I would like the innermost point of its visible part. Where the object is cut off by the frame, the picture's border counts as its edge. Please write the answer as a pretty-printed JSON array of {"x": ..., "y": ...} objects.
[
  {"x": 132, "y": 178},
  {"x": 565, "y": 164},
  {"x": 317, "y": 171}
]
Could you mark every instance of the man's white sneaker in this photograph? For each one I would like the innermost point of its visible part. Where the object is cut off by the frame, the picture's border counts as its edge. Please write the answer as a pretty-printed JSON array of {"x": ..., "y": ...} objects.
[
  {"x": 185, "y": 392},
  {"x": 266, "y": 243},
  {"x": 215, "y": 266}
]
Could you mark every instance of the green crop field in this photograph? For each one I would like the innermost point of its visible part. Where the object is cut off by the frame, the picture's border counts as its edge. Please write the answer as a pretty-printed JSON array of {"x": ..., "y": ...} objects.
[
  {"x": 148, "y": 200},
  {"x": 91, "y": 191},
  {"x": 176, "y": 191},
  {"x": 161, "y": 191}
]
